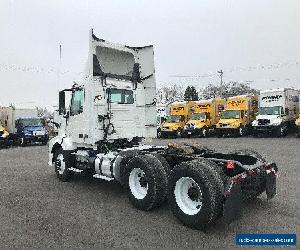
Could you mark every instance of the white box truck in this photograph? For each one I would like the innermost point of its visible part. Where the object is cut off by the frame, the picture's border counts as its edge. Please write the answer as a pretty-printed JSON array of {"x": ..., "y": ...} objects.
[
  {"x": 23, "y": 124},
  {"x": 278, "y": 110}
]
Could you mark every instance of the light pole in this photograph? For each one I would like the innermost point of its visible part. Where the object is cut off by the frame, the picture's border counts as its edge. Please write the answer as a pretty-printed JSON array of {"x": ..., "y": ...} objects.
[{"x": 220, "y": 72}]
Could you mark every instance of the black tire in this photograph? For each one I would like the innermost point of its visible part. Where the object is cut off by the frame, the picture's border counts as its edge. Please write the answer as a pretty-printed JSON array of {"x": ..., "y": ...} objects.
[
  {"x": 22, "y": 142},
  {"x": 204, "y": 132},
  {"x": 154, "y": 176},
  {"x": 219, "y": 133},
  {"x": 298, "y": 132},
  {"x": 242, "y": 131},
  {"x": 65, "y": 174},
  {"x": 164, "y": 163},
  {"x": 126, "y": 156},
  {"x": 280, "y": 131},
  {"x": 210, "y": 185},
  {"x": 159, "y": 133},
  {"x": 221, "y": 180},
  {"x": 178, "y": 134}
]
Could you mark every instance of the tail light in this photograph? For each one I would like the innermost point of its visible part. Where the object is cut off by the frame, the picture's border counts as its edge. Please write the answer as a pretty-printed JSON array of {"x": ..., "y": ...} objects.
[
  {"x": 251, "y": 172},
  {"x": 230, "y": 165}
]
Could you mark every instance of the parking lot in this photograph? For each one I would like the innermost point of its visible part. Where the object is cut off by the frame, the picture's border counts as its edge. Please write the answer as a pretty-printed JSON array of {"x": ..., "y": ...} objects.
[{"x": 37, "y": 210}]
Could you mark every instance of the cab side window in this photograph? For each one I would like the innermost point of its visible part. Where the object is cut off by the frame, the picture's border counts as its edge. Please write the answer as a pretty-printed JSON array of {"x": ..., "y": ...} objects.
[
  {"x": 77, "y": 102},
  {"x": 121, "y": 96}
]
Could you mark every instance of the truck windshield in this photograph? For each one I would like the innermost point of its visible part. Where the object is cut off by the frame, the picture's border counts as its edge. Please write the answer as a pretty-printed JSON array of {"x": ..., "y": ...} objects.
[
  {"x": 173, "y": 118},
  {"x": 231, "y": 114},
  {"x": 269, "y": 110},
  {"x": 30, "y": 122},
  {"x": 198, "y": 116}
]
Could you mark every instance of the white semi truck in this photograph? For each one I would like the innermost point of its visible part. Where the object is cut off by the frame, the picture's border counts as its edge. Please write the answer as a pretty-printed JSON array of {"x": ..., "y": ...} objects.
[
  {"x": 113, "y": 109},
  {"x": 278, "y": 110}
]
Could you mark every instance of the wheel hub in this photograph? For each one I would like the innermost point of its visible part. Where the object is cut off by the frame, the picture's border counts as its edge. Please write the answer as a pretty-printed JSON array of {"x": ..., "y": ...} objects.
[
  {"x": 188, "y": 195},
  {"x": 194, "y": 193},
  {"x": 138, "y": 183},
  {"x": 60, "y": 164}
]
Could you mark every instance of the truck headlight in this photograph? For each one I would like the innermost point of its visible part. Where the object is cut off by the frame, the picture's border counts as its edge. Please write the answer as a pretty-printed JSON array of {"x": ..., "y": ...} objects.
[{"x": 276, "y": 122}]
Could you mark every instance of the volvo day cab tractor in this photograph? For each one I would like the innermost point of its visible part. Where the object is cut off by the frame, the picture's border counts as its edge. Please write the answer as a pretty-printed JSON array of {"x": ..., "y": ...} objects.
[
  {"x": 23, "y": 124},
  {"x": 203, "y": 120},
  {"x": 175, "y": 122},
  {"x": 278, "y": 110},
  {"x": 238, "y": 115},
  {"x": 112, "y": 109}
]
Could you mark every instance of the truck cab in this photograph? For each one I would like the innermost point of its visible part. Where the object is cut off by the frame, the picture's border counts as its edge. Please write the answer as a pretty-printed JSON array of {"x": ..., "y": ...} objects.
[
  {"x": 237, "y": 117},
  {"x": 175, "y": 122},
  {"x": 202, "y": 119},
  {"x": 297, "y": 122},
  {"x": 4, "y": 136},
  {"x": 278, "y": 110},
  {"x": 31, "y": 130}
]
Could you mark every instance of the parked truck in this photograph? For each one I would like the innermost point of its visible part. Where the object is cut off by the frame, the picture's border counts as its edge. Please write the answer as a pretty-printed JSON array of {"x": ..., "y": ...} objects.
[
  {"x": 23, "y": 124},
  {"x": 112, "y": 109},
  {"x": 278, "y": 110},
  {"x": 162, "y": 112},
  {"x": 202, "y": 121},
  {"x": 176, "y": 120},
  {"x": 298, "y": 126},
  {"x": 238, "y": 115},
  {"x": 4, "y": 137}
]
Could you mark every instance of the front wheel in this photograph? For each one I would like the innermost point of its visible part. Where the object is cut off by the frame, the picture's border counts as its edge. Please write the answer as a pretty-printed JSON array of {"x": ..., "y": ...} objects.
[
  {"x": 281, "y": 131},
  {"x": 62, "y": 163},
  {"x": 22, "y": 142},
  {"x": 204, "y": 132}
]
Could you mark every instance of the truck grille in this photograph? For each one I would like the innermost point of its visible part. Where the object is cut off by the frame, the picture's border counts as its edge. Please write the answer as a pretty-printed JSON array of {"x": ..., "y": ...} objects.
[
  {"x": 224, "y": 125},
  {"x": 263, "y": 121},
  {"x": 190, "y": 125}
]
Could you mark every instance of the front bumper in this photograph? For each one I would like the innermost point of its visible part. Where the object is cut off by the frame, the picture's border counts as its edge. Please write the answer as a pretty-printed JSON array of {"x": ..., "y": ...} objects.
[
  {"x": 228, "y": 131},
  {"x": 192, "y": 131},
  {"x": 166, "y": 133},
  {"x": 4, "y": 141},
  {"x": 32, "y": 139},
  {"x": 265, "y": 128}
]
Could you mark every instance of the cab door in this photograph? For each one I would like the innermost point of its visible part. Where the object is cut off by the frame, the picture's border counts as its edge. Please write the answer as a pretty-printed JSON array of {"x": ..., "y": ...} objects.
[{"x": 76, "y": 127}]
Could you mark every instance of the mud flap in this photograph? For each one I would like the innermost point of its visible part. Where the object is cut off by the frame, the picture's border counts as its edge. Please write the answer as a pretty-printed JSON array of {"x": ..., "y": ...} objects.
[
  {"x": 270, "y": 185},
  {"x": 232, "y": 205}
]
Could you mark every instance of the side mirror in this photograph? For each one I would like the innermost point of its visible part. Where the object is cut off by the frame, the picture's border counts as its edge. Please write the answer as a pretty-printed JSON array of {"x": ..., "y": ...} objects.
[{"x": 62, "y": 103}]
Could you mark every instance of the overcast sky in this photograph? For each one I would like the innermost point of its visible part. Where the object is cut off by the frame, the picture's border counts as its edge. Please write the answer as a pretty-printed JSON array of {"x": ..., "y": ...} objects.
[{"x": 255, "y": 41}]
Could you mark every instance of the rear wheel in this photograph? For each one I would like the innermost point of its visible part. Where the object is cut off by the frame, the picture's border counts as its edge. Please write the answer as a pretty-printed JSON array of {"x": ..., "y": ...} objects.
[
  {"x": 147, "y": 182},
  {"x": 242, "y": 131},
  {"x": 298, "y": 132},
  {"x": 179, "y": 134},
  {"x": 195, "y": 193}
]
